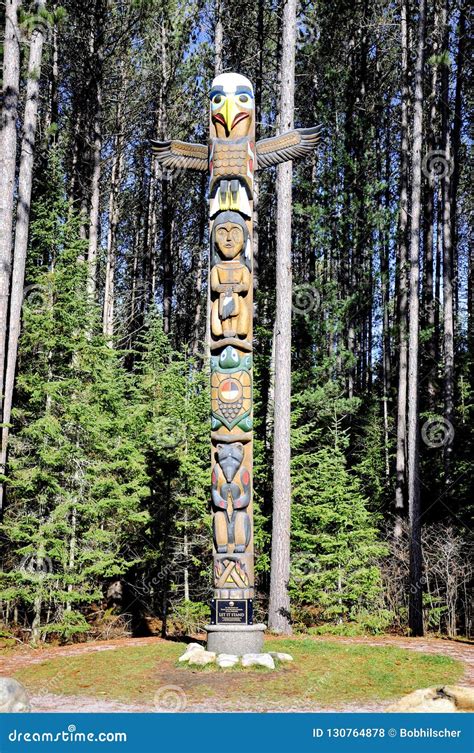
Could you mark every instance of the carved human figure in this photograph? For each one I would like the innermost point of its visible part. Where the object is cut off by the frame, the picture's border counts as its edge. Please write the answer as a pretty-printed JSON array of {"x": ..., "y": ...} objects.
[
  {"x": 231, "y": 522},
  {"x": 230, "y": 276}
]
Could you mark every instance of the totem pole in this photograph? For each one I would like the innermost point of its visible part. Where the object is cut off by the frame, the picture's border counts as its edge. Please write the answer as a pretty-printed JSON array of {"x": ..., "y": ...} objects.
[{"x": 232, "y": 157}]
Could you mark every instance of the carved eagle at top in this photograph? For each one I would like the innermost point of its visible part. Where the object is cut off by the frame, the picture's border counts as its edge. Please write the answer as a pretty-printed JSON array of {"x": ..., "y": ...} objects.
[{"x": 232, "y": 125}]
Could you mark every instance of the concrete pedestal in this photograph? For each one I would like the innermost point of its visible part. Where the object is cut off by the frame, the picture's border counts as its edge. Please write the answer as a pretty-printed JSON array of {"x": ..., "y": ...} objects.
[{"x": 235, "y": 639}]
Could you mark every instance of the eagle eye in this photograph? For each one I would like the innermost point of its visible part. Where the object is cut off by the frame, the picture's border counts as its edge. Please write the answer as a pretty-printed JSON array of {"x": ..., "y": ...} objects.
[
  {"x": 217, "y": 99},
  {"x": 244, "y": 98}
]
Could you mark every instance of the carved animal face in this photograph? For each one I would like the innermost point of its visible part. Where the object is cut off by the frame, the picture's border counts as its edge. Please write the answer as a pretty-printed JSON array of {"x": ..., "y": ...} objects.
[
  {"x": 229, "y": 358},
  {"x": 229, "y": 239},
  {"x": 232, "y": 106},
  {"x": 230, "y": 457}
]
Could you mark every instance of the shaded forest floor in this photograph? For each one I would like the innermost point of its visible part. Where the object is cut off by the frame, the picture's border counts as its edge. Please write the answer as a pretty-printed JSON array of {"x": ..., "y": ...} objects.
[{"x": 328, "y": 674}]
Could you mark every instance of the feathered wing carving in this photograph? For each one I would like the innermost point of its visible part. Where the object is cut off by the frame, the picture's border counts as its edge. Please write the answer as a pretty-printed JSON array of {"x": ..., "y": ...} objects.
[
  {"x": 181, "y": 155},
  {"x": 288, "y": 146}
]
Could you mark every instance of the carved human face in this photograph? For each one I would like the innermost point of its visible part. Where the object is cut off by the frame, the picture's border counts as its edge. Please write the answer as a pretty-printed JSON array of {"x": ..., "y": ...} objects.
[
  {"x": 232, "y": 106},
  {"x": 229, "y": 239}
]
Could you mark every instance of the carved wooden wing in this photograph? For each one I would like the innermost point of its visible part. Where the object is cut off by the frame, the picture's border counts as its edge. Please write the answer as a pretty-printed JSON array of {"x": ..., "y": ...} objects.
[
  {"x": 181, "y": 155},
  {"x": 288, "y": 146}
]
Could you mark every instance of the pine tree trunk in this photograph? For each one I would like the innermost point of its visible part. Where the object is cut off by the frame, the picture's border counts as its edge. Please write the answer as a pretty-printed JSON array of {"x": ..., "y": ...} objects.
[
  {"x": 256, "y": 182},
  {"x": 457, "y": 121},
  {"x": 470, "y": 311},
  {"x": 401, "y": 455},
  {"x": 109, "y": 289},
  {"x": 114, "y": 214},
  {"x": 385, "y": 303},
  {"x": 218, "y": 38},
  {"x": 166, "y": 254},
  {"x": 8, "y": 145},
  {"x": 25, "y": 181},
  {"x": 94, "y": 211},
  {"x": 186, "y": 555},
  {"x": 198, "y": 271},
  {"x": 448, "y": 314},
  {"x": 279, "y": 606},
  {"x": 428, "y": 226},
  {"x": 167, "y": 208},
  {"x": 415, "y": 616}
]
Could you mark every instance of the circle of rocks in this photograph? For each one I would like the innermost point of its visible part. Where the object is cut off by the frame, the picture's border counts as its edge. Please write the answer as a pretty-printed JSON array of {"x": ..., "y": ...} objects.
[{"x": 197, "y": 656}]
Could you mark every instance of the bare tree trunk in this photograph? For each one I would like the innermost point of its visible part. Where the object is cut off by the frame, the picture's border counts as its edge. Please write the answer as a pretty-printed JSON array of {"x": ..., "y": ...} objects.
[
  {"x": 94, "y": 211},
  {"x": 166, "y": 255},
  {"x": 457, "y": 120},
  {"x": 8, "y": 144},
  {"x": 167, "y": 209},
  {"x": 428, "y": 225},
  {"x": 415, "y": 611},
  {"x": 218, "y": 38},
  {"x": 52, "y": 110},
  {"x": 470, "y": 310},
  {"x": 401, "y": 455},
  {"x": 279, "y": 606},
  {"x": 114, "y": 214},
  {"x": 448, "y": 317},
  {"x": 25, "y": 181},
  {"x": 385, "y": 302},
  {"x": 186, "y": 555},
  {"x": 437, "y": 294},
  {"x": 198, "y": 272},
  {"x": 72, "y": 551},
  {"x": 258, "y": 118},
  {"x": 109, "y": 289}
]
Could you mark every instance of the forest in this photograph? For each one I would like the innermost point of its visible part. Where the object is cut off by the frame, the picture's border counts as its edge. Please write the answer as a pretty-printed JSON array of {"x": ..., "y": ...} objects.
[{"x": 104, "y": 370}]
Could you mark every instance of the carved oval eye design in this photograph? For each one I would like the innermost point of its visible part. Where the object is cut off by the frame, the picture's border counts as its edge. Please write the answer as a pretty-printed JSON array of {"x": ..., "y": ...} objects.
[
  {"x": 236, "y": 235},
  {"x": 244, "y": 100},
  {"x": 217, "y": 101}
]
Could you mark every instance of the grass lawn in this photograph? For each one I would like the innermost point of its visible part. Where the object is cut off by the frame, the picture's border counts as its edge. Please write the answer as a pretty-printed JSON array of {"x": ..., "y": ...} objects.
[{"x": 323, "y": 673}]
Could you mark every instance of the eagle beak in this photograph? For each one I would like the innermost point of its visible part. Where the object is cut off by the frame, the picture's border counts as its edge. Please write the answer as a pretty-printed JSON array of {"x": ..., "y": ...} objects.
[{"x": 229, "y": 111}]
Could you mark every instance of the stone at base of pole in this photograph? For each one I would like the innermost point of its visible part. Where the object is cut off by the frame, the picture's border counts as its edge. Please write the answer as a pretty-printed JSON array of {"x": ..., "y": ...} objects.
[{"x": 235, "y": 639}]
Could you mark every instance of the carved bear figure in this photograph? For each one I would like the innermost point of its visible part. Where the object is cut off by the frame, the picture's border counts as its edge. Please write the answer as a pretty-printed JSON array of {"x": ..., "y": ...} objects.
[{"x": 231, "y": 522}]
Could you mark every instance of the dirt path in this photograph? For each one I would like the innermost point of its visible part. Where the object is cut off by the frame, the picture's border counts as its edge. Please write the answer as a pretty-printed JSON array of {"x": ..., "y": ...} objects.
[{"x": 48, "y": 702}]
